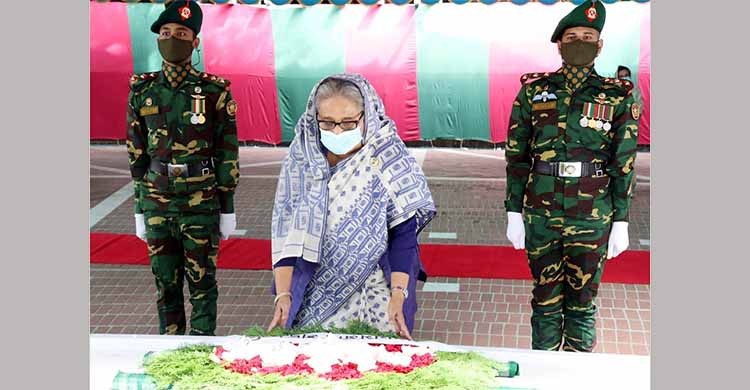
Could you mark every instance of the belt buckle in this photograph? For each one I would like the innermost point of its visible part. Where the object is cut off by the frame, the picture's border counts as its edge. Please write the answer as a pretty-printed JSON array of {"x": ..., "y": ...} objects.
[
  {"x": 175, "y": 170},
  {"x": 569, "y": 169},
  {"x": 205, "y": 171}
]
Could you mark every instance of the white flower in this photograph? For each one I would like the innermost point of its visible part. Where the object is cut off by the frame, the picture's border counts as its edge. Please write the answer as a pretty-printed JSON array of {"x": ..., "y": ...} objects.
[{"x": 321, "y": 362}]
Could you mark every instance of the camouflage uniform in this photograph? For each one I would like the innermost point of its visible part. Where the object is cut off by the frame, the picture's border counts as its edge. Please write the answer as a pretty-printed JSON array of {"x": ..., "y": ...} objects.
[
  {"x": 568, "y": 219},
  {"x": 182, "y": 213}
]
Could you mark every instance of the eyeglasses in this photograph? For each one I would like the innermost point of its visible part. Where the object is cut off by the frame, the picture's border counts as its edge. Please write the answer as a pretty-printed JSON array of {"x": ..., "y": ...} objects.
[{"x": 344, "y": 125}]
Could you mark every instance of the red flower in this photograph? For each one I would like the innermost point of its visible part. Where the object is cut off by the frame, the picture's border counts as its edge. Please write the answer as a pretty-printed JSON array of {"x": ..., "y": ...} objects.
[
  {"x": 245, "y": 366},
  {"x": 342, "y": 371},
  {"x": 297, "y": 367},
  {"x": 219, "y": 351},
  {"x": 390, "y": 347},
  {"x": 393, "y": 347},
  {"x": 383, "y": 367},
  {"x": 421, "y": 360},
  {"x": 338, "y": 371},
  {"x": 417, "y": 361},
  {"x": 388, "y": 367}
]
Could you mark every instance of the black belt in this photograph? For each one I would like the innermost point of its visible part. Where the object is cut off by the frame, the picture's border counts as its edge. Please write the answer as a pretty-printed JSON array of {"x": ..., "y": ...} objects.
[
  {"x": 202, "y": 168},
  {"x": 569, "y": 169}
]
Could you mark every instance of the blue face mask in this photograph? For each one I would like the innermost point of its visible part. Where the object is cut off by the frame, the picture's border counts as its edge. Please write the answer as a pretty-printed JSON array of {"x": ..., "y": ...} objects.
[{"x": 342, "y": 143}]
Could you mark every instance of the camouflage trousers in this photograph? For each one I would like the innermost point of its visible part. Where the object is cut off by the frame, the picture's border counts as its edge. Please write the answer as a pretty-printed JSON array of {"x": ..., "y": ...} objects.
[
  {"x": 566, "y": 257},
  {"x": 184, "y": 247}
]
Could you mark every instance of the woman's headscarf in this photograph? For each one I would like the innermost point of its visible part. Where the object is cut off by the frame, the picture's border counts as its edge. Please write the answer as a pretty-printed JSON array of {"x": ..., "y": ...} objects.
[{"x": 300, "y": 208}]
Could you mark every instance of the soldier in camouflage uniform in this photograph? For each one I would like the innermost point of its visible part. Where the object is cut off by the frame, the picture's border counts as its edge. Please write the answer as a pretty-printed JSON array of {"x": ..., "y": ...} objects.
[
  {"x": 570, "y": 152},
  {"x": 182, "y": 146}
]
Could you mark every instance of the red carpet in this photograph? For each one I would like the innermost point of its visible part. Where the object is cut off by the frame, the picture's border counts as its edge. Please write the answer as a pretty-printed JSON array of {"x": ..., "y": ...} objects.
[{"x": 465, "y": 261}]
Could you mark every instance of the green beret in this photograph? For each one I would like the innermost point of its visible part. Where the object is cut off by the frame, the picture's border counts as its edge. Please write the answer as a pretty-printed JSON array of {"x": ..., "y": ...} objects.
[
  {"x": 588, "y": 14},
  {"x": 185, "y": 12}
]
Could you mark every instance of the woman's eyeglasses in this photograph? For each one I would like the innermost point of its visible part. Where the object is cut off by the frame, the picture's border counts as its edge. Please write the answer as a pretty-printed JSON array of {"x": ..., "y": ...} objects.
[{"x": 344, "y": 125}]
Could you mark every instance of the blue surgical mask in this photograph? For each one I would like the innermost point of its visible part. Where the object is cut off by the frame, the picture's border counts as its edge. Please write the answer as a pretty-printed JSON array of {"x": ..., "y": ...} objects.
[
  {"x": 342, "y": 143},
  {"x": 626, "y": 78}
]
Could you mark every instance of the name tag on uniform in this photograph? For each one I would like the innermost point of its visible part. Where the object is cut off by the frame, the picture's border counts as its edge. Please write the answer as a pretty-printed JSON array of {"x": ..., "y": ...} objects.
[
  {"x": 544, "y": 106},
  {"x": 149, "y": 110}
]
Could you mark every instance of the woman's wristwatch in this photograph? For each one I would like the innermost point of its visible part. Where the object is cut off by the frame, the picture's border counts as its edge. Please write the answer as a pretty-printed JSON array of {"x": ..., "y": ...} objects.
[{"x": 403, "y": 290}]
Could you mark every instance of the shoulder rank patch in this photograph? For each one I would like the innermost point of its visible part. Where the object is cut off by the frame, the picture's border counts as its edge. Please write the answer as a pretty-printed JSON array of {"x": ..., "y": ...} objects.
[
  {"x": 137, "y": 78},
  {"x": 529, "y": 77},
  {"x": 624, "y": 84},
  {"x": 215, "y": 79}
]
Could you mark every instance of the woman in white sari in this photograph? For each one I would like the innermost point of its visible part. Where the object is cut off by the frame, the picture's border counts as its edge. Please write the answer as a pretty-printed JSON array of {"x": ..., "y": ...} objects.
[{"x": 349, "y": 205}]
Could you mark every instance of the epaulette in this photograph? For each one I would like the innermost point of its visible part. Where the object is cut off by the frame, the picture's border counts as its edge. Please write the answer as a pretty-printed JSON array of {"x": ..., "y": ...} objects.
[
  {"x": 529, "y": 77},
  {"x": 221, "y": 82},
  {"x": 624, "y": 84},
  {"x": 137, "y": 80}
]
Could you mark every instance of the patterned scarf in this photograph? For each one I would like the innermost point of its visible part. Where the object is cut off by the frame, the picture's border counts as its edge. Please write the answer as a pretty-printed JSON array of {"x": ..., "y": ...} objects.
[
  {"x": 176, "y": 74},
  {"x": 339, "y": 218},
  {"x": 575, "y": 75}
]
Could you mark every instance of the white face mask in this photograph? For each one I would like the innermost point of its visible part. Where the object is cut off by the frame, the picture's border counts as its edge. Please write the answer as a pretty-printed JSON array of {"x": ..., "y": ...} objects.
[{"x": 342, "y": 143}]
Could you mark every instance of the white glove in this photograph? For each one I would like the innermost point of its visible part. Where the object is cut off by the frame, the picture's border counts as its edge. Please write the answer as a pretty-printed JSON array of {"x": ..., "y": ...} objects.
[
  {"x": 227, "y": 224},
  {"x": 140, "y": 227},
  {"x": 618, "y": 239},
  {"x": 516, "y": 232}
]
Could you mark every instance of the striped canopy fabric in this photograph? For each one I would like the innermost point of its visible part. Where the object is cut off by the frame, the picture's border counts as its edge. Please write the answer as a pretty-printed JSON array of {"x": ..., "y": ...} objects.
[{"x": 444, "y": 71}]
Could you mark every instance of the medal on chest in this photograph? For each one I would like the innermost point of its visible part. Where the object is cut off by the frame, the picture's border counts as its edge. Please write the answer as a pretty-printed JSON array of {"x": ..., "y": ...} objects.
[
  {"x": 597, "y": 116},
  {"x": 198, "y": 110}
]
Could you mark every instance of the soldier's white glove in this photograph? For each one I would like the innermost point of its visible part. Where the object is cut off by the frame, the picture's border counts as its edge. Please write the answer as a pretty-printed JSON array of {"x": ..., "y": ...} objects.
[
  {"x": 227, "y": 224},
  {"x": 516, "y": 232},
  {"x": 140, "y": 227},
  {"x": 618, "y": 239}
]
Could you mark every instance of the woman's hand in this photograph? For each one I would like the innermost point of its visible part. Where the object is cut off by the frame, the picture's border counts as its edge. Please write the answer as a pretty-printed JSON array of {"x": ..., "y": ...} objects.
[
  {"x": 281, "y": 314},
  {"x": 396, "y": 314}
]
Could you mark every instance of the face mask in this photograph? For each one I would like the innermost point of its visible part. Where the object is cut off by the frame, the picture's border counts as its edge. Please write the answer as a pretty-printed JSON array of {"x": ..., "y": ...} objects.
[
  {"x": 342, "y": 143},
  {"x": 175, "y": 50},
  {"x": 626, "y": 78},
  {"x": 579, "y": 53}
]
